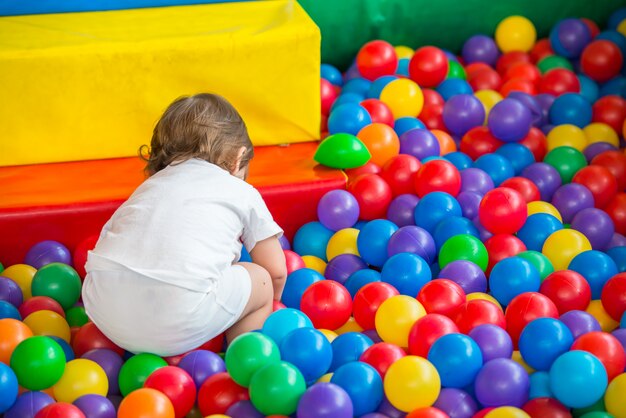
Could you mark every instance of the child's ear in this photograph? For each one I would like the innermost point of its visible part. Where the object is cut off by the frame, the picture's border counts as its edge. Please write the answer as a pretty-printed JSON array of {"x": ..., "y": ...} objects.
[{"x": 240, "y": 153}]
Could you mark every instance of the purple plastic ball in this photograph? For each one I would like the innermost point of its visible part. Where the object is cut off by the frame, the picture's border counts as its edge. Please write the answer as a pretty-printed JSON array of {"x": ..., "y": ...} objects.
[
  {"x": 202, "y": 364},
  {"x": 338, "y": 209},
  {"x": 580, "y": 322},
  {"x": 243, "y": 409},
  {"x": 619, "y": 333},
  {"x": 111, "y": 363},
  {"x": 480, "y": 48},
  {"x": 545, "y": 177},
  {"x": 597, "y": 148},
  {"x": 466, "y": 274},
  {"x": 420, "y": 143},
  {"x": 401, "y": 209},
  {"x": 12, "y": 293},
  {"x": 412, "y": 239},
  {"x": 116, "y": 400},
  {"x": 536, "y": 112},
  {"x": 570, "y": 199},
  {"x": 483, "y": 234},
  {"x": 502, "y": 382},
  {"x": 470, "y": 202},
  {"x": 340, "y": 268},
  {"x": 596, "y": 225},
  {"x": 494, "y": 342},
  {"x": 325, "y": 400},
  {"x": 96, "y": 406},
  {"x": 476, "y": 180},
  {"x": 28, "y": 404},
  {"x": 462, "y": 113},
  {"x": 389, "y": 410},
  {"x": 617, "y": 240},
  {"x": 46, "y": 252},
  {"x": 374, "y": 415},
  {"x": 284, "y": 243},
  {"x": 372, "y": 335},
  {"x": 544, "y": 101},
  {"x": 569, "y": 37},
  {"x": 456, "y": 403},
  {"x": 509, "y": 120}
]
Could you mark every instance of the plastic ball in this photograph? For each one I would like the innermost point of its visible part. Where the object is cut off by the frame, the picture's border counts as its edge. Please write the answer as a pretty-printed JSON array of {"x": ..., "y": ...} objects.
[
  {"x": 442, "y": 296},
  {"x": 543, "y": 340},
  {"x": 338, "y": 209},
  {"x": 325, "y": 400},
  {"x": 427, "y": 330},
  {"x": 48, "y": 323},
  {"x": 462, "y": 113},
  {"x": 437, "y": 175},
  {"x": 8, "y": 387},
  {"x": 595, "y": 309},
  {"x": 22, "y": 275},
  {"x": 562, "y": 246},
  {"x": 381, "y": 141},
  {"x": 610, "y": 110},
  {"x": 479, "y": 141},
  {"x": 341, "y": 267},
  {"x": 373, "y": 195},
  {"x": 509, "y": 120},
  {"x": 512, "y": 277},
  {"x": 146, "y": 402},
  {"x": 502, "y": 246},
  {"x": 470, "y": 202},
  {"x": 412, "y": 239},
  {"x": 40, "y": 303},
  {"x": 502, "y": 382},
  {"x": 202, "y": 364},
  {"x": 545, "y": 177},
  {"x": 588, "y": 88},
  {"x": 537, "y": 229},
  {"x": 457, "y": 359},
  {"x": 494, "y": 342},
  {"x": 38, "y": 362},
  {"x": 518, "y": 155},
  {"x": 218, "y": 393},
  {"x": 463, "y": 247},
  {"x": 314, "y": 263},
  {"x": 480, "y": 48},
  {"x": 412, "y": 382},
  {"x": 616, "y": 209},
  {"x": 566, "y": 135},
  {"x": 570, "y": 108},
  {"x": 373, "y": 239},
  {"x": 579, "y": 322},
  {"x": 58, "y": 281},
  {"x": 419, "y": 143},
  {"x": 498, "y": 167},
  {"x": 476, "y": 180},
  {"x": 600, "y": 182},
  {"x": 515, "y": 33},
  {"x": 379, "y": 112},
  {"x": 452, "y": 87},
  {"x": 614, "y": 296},
  {"x": 433, "y": 208},
  {"x": 396, "y": 316},
  {"x": 65, "y": 410},
  {"x": 614, "y": 397},
  {"x": 348, "y": 118},
  {"x": 428, "y": 66},
  {"x": 606, "y": 348},
  {"x": 403, "y": 96},
  {"x": 309, "y": 351},
  {"x": 568, "y": 290},
  {"x": 375, "y": 59},
  {"x": 248, "y": 353},
  {"x": 367, "y": 301},
  {"x": 327, "y": 303},
  {"x": 536, "y": 207},
  {"x": 312, "y": 239},
  {"x": 601, "y": 60},
  {"x": 569, "y": 37},
  {"x": 407, "y": 272},
  {"x": 276, "y": 388},
  {"x": 283, "y": 321},
  {"x": 10, "y": 292},
  {"x": 401, "y": 209},
  {"x": 111, "y": 363},
  {"x": 456, "y": 403},
  {"x": 577, "y": 379},
  {"x": 399, "y": 171},
  {"x": 342, "y": 242},
  {"x": 466, "y": 274},
  {"x": 559, "y": 81},
  {"x": 452, "y": 226},
  {"x": 136, "y": 370},
  {"x": 502, "y": 210},
  {"x": 46, "y": 252},
  {"x": 363, "y": 385},
  {"x": 478, "y": 312},
  {"x": 28, "y": 404},
  {"x": 540, "y": 261},
  {"x": 570, "y": 199},
  {"x": 596, "y": 225},
  {"x": 524, "y": 308},
  {"x": 9, "y": 311}
]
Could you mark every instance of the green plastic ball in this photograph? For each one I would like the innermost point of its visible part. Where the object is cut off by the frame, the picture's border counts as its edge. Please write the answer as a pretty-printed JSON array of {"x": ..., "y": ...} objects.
[
  {"x": 597, "y": 414},
  {"x": 567, "y": 161},
  {"x": 136, "y": 370},
  {"x": 464, "y": 247},
  {"x": 342, "y": 151},
  {"x": 596, "y": 407},
  {"x": 540, "y": 261},
  {"x": 554, "y": 61},
  {"x": 76, "y": 316},
  {"x": 247, "y": 354},
  {"x": 38, "y": 362},
  {"x": 456, "y": 70},
  {"x": 59, "y": 282},
  {"x": 276, "y": 389}
]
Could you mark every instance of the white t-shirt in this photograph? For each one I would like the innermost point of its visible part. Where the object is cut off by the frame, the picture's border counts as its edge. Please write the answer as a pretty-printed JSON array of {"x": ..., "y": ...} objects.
[{"x": 184, "y": 225}]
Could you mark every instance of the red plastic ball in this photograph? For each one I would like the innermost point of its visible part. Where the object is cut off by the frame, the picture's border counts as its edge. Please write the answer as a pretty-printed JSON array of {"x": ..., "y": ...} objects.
[
  {"x": 442, "y": 296},
  {"x": 559, "y": 81},
  {"x": 606, "y": 348},
  {"x": 276, "y": 305},
  {"x": 376, "y": 59},
  {"x": 382, "y": 355},
  {"x": 428, "y": 66},
  {"x": 568, "y": 290},
  {"x": 432, "y": 117},
  {"x": 40, "y": 303},
  {"x": 479, "y": 141},
  {"x": 476, "y": 67},
  {"x": 523, "y": 186},
  {"x": 594, "y": 30},
  {"x": 541, "y": 50},
  {"x": 614, "y": 296},
  {"x": 485, "y": 80},
  {"x": 616, "y": 209},
  {"x": 600, "y": 182},
  {"x": 379, "y": 111},
  {"x": 509, "y": 59},
  {"x": 79, "y": 257},
  {"x": 483, "y": 412},
  {"x": 502, "y": 211},
  {"x": 327, "y": 303},
  {"x": 525, "y": 308},
  {"x": 610, "y": 110},
  {"x": 523, "y": 70},
  {"x": 215, "y": 345},
  {"x": 478, "y": 312},
  {"x": 536, "y": 142},
  {"x": 60, "y": 410},
  {"x": 177, "y": 385},
  {"x": 427, "y": 412},
  {"x": 615, "y": 162},
  {"x": 546, "y": 407},
  {"x": 399, "y": 173},
  {"x": 294, "y": 261},
  {"x": 432, "y": 98},
  {"x": 89, "y": 337},
  {"x": 501, "y": 246},
  {"x": 328, "y": 95},
  {"x": 427, "y": 330},
  {"x": 518, "y": 84},
  {"x": 437, "y": 176},
  {"x": 601, "y": 60},
  {"x": 373, "y": 195},
  {"x": 367, "y": 301},
  {"x": 218, "y": 393},
  {"x": 368, "y": 168}
]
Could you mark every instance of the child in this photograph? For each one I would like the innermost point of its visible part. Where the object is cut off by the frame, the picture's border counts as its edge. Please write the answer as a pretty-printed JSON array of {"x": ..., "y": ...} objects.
[{"x": 163, "y": 277}]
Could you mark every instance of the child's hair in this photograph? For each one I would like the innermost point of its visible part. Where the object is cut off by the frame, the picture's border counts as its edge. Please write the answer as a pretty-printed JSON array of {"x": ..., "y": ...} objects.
[{"x": 203, "y": 126}]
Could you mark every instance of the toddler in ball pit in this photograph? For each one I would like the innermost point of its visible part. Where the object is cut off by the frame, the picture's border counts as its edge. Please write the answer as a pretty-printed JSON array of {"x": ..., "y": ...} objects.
[{"x": 164, "y": 277}]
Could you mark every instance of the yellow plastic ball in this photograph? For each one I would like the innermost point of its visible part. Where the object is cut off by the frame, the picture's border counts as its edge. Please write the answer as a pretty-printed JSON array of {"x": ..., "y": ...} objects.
[
  {"x": 330, "y": 335},
  {"x": 403, "y": 51},
  {"x": 563, "y": 245},
  {"x": 218, "y": 416},
  {"x": 46, "y": 322},
  {"x": 515, "y": 33},
  {"x": 539, "y": 206},
  {"x": 601, "y": 132},
  {"x": 507, "y": 412},
  {"x": 22, "y": 274},
  {"x": 488, "y": 98},
  {"x": 621, "y": 28},
  {"x": 596, "y": 310},
  {"x": 483, "y": 296},
  {"x": 614, "y": 397},
  {"x": 325, "y": 378},
  {"x": 517, "y": 357},
  {"x": 81, "y": 377},
  {"x": 404, "y": 97},
  {"x": 314, "y": 263},
  {"x": 567, "y": 135},
  {"x": 412, "y": 382},
  {"x": 395, "y": 317},
  {"x": 350, "y": 326},
  {"x": 342, "y": 242}
]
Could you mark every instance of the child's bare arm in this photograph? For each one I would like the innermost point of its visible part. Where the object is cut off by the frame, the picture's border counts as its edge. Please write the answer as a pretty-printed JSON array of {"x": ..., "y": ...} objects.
[{"x": 269, "y": 255}]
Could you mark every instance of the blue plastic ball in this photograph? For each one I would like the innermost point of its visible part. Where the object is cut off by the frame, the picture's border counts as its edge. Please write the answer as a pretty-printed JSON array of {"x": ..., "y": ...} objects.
[
  {"x": 569, "y": 37},
  {"x": 346, "y": 98},
  {"x": 452, "y": 87},
  {"x": 543, "y": 340},
  {"x": 457, "y": 358},
  {"x": 362, "y": 383},
  {"x": 373, "y": 239},
  {"x": 616, "y": 18},
  {"x": 537, "y": 228},
  {"x": 596, "y": 267},
  {"x": 615, "y": 37},
  {"x": 282, "y": 322},
  {"x": 459, "y": 159},
  {"x": 8, "y": 387},
  {"x": 614, "y": 87},
  {"x": 359, "y": 279},
  {"x": 406, "y": 123},
  {"x": 349, "y": 118},
  {"x": 295, "y": 285},
  {"x": 451, "y": 226},
  {"x": 413, "y": 239},
  {"x": 540, "y": 385},
  {"x": 511, "y": 277},
  {"x": 308, "y": 350},
  {"x": 407, "y": 272},
  {"x": 348, "y": 347},
  {"x": 378, "y": 85},
  {"x": 498, "y": 167},
  {"x": 518, "y": 155},
  {"x": 571, "y": 108},
  {"x": 7, "y": 310},
  {"x": 403, "y": 67},
  {"x": 618, "y": 254},
  {"x": 578, "y": 379},
  {"x": 588, "y": 88},
  {"x": 312, "y": 239},
  {"x": 331, "y": 74},
  {"x": 357, "y": 85},
  {"x": 433, "y": 208}
]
